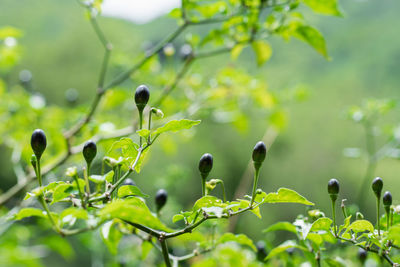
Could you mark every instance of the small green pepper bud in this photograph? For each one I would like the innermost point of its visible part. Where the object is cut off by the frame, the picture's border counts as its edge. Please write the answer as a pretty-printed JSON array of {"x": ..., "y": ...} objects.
[
  {"x": 38, "y": 143},
  {"x": 157, "y": 112},
  {"x": 142, "y": 96},
  {"x": 261, "y": 252},
  {"x": 161, "y": 199},
  {"x": 333, "y": 187},
  {"x": 89, "y": 151},
  {"x": 33, "y": 161},
  {"x": 377, "y": 185},
  {"x": 110, "y": 162},
  {"x": 71, "y": 172},
  {"x": 387, "y": 199},
  {"x": 259, "y": 152},
  {"x": 205, "y": 164},
  {"x": 362, "y": 255}
]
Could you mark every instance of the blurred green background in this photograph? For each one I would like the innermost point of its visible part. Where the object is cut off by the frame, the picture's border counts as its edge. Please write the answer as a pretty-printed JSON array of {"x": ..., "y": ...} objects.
[{"x": 62, "y": 52}]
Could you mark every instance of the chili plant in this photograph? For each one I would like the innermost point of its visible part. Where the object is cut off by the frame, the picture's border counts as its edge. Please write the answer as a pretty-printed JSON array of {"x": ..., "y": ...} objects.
[
  {"x": 317, "y": 233},
  {"x": 103, "y": 201}
]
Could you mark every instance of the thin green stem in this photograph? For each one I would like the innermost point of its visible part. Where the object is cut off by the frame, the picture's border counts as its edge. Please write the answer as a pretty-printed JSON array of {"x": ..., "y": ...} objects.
[
  {"x": 88, "y": 169},
  {"x": 223, "y": 189},
  {"x": 85, "y": 176},
  {"x": 334, "y": 216},
  {"x": 38, "y": 172},
  {"x": 118, "y": 177},
  {"x": 140, "y": 125},
  {"x": 377, "y": 215},
  {"x": 253, "y": 194},
  {"x": 343, "y": 206},
  {"x": 387, "y": 220},
  {"x": 79, "y": 191},
  {"x": 41, "y": 197},
  {"x": 46, "y": 208},
  {"x": 149, "y": 124},
  {"x": 391, "y": 216},
  {"x": 203, "y": 185},
  {"x": 165, "y": 253},
  {"x": 190, "y": 227}
]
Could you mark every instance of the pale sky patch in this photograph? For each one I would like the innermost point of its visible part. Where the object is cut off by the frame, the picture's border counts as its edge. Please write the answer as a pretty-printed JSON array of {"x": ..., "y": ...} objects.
[{"x": 138, "y": 11}]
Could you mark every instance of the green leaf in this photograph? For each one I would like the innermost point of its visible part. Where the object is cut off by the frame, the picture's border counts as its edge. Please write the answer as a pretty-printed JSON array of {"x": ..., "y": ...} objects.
[
  {"x": 61, "y": 191},
  {"x": 346, "y": 223},
  {"x": 285, "y": 195},
  {"x": 394, "y": 234},
  {"x": 132, "y": 210},
  {"x": 72, "y": 213},
  {"x": 313, "y": 37},
  {"x": 176, "y": 125},
  {"x": 129, "y": 151},
  {"x": 283, "y": 247},
  {"x": 109, "y": 176},
  {"x": 29, "y": 212},
  {"x": 125, "y": 146},
  {"x": 217, "y": 211},
  {"x": 321, "y": 224},
  {"x": 325, "y": 7},
  {"x": 240, "y": 239},
  {"x": 130, "y": 190},
  {"x": 208, "y": 201},
  {"x": 177, "y": 218},
  {"x": 143, "y": 133},
  {"x": 111, "y": 236},
  {"x": 315, "y": 238},
  {"x": 43, "y": 190},
  {"x": 281, "y": 226},
  {"x": 97, "y": 179},
  {"x": 361, "y": 226},
  {"x": 262, "y": 50}
]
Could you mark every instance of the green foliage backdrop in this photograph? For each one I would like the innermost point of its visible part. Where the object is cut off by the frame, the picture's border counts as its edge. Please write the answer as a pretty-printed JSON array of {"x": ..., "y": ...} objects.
[{"x": 226, "y": 87}]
